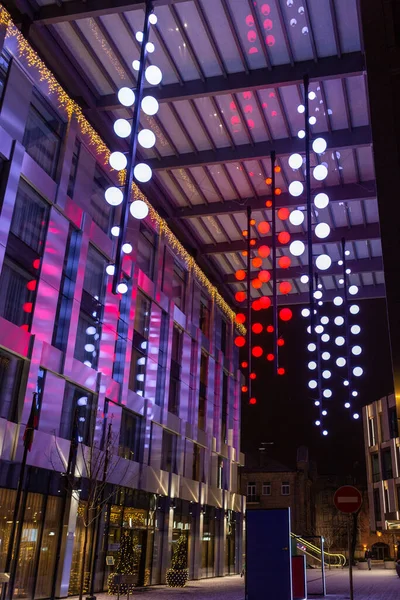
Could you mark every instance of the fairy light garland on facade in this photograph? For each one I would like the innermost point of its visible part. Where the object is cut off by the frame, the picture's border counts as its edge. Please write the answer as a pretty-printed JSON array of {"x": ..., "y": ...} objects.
[{"x": 72, "y": 109}]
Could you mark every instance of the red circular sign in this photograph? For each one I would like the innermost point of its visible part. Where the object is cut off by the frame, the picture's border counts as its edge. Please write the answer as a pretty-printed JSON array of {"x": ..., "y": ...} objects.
[{"x": 347, "y": 499}]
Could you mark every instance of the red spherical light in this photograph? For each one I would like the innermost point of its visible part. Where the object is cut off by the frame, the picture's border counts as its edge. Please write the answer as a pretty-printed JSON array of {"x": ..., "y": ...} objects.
[
  {"x": 285, "y": 287},
  {"x": 281, "y": 371},
  {"x": 264, "y": 276},
  {"x": 284, "y": 262},
  {"x": 277, "y": 169},
  {"x": 270, "y": 357},
  {"x": 27, "y": 307},
  {"x": 268, "y": 203},
  {"x": 256, "y": 283},
  {"x": 240, "y": 275},
  {"x": 284, "y": 237},
  {"x": 281, "y": 342},
  {"x": 268, "y": 181},
  {"x": 283, "y": 214},
  {"x": 256, "y": 305},
  {"x": 240, "y": 341},
  {"x": 244, "y": 365},
  {"x": 253, "y": 401},
  {"x": 264, "y": 251},
  {"x": 245, "y": 389},
  {"x": 257, "y": 351},
  {"x": 270, "y": 328},
  {"x": 240, "y": 296},
  {"x": 252, "y": 242},
  {"x": 31, "y": 285},
  {"x": 253, "y": 376},
  {"x": 257, "y": 262},
  {"x": 278, "y": 191},
  {"x": 264, "y": 227},
  {"x": 240, "y": 318},
  {"x": 257, "y": 328},
  {"x": 265, "y": 301},
  {"x": 285, "y": 314}
]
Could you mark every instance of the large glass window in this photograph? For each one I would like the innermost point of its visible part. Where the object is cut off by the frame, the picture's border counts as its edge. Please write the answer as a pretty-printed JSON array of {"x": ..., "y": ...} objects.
[
  {"x": 179, "y": 286},
  {"x": 16, "y": 295},
  {"x": 162, "y": 359},
  {"x": 78, "y": 414},
  {"x": 224, "y": 409},
  {"x": 43, "y": 133},
  {"x": 393, "y": 423},
  {"x": 204, "y": 315},
  {"x": 10, "y": 380},
  {"x": 168, "y": 458},
  {"x": 376, "y": 473},
  {"x": 100, "y": 211},
  {"x": 30, "y": 217},
  {"x": 377, "y": 505},
  {"x": 142, "y": 314},
  {"x": 175, "y": 373},
  {"x": 130, "y": 435},
  {"x": 122, "y": 338},
  {"x": 208, "y": 542},
  {"x": 387, "y": 471},
  {"x": 4, "y": 64},
  {"x": 146, "y": 251},
  {"x": 371, "y": 429},
  {"x": 140, "y": 344},
  {"x": 91, "y": 313},
  {"x": 74, "y": 167},
  {"x": 203, "y": 391}
]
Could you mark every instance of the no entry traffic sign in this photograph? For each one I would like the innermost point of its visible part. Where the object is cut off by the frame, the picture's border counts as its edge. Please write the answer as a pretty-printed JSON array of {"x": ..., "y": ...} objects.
[{"x": 347, "y": 499}]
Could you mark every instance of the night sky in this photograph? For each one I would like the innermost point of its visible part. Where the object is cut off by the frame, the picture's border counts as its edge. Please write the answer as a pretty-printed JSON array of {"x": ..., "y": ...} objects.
[{"x": 285, "y": 411}]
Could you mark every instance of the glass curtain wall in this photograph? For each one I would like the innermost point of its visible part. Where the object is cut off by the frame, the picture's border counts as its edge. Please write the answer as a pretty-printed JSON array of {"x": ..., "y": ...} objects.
[{"x": 208, "y": 542}]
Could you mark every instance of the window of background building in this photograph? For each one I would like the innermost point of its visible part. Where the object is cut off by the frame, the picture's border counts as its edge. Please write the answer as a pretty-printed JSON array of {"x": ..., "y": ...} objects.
[
  {"x": 11, "y": 369},
  {"x": 91, "y": 313},
  {"x": 224, "y": 408},
  {"x": 130, "y": 436},
  {"x": 78, "y": 414},
  {"x": 67, "y": 287},
  {"x": 140, "y": 344},
  {"x": 387, "y": 471},
  {"x": 43, "y": 134},
  {"x": 18, "y": 280},
  {"x": 100, "y": 211},
  {"x": 146, "y": 250},
  {"x": 386, "y": 497},
  {"x": 175, "y": 371},
  {"x": 371, "y": 429},
  {"x": 74, "y": 167},
  {"x": 251, "y": 490},
  {"x": 377, "y": 505},
  {"x": 393, "y": 423},
  {"x": 203, "y": 392},
  {"x": 376, "y": 472},
  {"x": 162, "y": 359},
  {"x": 168, "y": 457},
  {"x": 204, "y": 322},
  {"x": 381, "y": 432},
  {"x": 285, "y": 488},
  {"x": 179, "y": 286},
  {"x": 266, "y": 488}
]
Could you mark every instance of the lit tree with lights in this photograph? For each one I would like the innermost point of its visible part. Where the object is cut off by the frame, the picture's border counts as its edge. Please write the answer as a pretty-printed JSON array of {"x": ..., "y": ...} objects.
[
  {"x": 125, "y": 565},
  {"x": 177, "y": 575}
]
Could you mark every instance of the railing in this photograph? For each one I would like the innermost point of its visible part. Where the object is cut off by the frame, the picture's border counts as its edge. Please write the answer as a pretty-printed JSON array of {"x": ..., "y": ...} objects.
[{"x": 311, "y": 550}]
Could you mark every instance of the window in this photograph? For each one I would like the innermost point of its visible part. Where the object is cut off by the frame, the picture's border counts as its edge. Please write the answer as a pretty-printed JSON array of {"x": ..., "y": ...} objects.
[
  {"x": 224, "y": 333},
  {"x": 64, "y": 308},
  {"x": 146, "y": 250},
  {"x": 386, "y": 496},
  {"x": 10, "y": 379},
  {"x": 100, "y": 211},
  {"x": 168, "y": 458},
  {"x": 179, "y": 286},
  {"x": 91, "y": 313},
  {"x": 16, "y": 294},
  {"x": 175, "y": 373},
  {"x": 266, "y": 488},
  {"x": 393, "y": 423},
  {"x": 203, "y": 391},
  {"x": 122, "y": 338},
  {"x": 43, "y": 133},
  {"x": 196, "y": 464},
  {"x": 78, "y": 415},
  {"x": 376, "y": 473},
  {"x": 142, "y": 314},
  {"x": 381, "y": 432},
  {"x": 387, "y": 471},
  {"x": 204, "y": 315},
  {"x": 139, "y": 344},
  {"x": 74, "y": 167},
  {"x": 251, "y": 491},
  {"x": 30, "y": 218},
  {"x": 371, "y": 429},
  {"x": 220, "y": 473},
  {"x": 162, "y": 359},
  {"x": 130, "y": 435},
  {"x": 285, "y": 488},
  {"x": 377, "y": 505},
  {"x": 4, "y": 64},
  {"x": 224, "y": 408}
]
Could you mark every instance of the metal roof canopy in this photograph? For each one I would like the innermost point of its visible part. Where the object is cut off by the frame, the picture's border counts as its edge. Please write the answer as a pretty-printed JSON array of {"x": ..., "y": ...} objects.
[{"x": 232, "y": 81}]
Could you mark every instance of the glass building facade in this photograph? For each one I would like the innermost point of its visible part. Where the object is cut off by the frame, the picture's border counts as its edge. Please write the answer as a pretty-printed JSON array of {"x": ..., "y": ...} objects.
[{"x": 158, "y": 364}]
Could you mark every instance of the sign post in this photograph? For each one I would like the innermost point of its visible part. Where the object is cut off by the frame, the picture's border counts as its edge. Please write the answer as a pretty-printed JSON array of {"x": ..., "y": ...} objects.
[{"x": 348, "y": 500}]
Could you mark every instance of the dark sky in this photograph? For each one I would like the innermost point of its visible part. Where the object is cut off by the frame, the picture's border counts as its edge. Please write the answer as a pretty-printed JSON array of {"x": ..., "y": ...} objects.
[{"x": 285, "y": 411}]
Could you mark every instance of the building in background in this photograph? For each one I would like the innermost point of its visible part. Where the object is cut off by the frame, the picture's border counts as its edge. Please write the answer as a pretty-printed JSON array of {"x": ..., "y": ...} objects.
[
  {"x": 158, "y": 364},
  {"x": 382, "y": 450},
  {"x": 267, "y": 483}
]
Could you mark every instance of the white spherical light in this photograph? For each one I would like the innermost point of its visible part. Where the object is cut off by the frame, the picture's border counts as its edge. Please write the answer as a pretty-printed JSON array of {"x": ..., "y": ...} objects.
[
  {"x": 325, "y": 432},
  {"x": 305, "y": 312},
  {"x": 139, "y": 36},
  {"x": 354, "y": 309},
  {"x": 353, "y": 290},
  {"x": 153, "y": 19},
  {"x": 323, "y": 262},
  {"x": 312, "y": 95},
  {"x": 146, "y": 138},
  {"x": 318, "y": 295},
  {"x": 325, "y": 337},
  {"x": 295, "y": 161},
  {"x": 319, "y": 145},
  {"x": 301, "y": 108},
  {"x": 139, "y": 209},
  {"x": 301, "y": 134},
  {"x": 322, "y": 230},
  {"x": 325, "y": 356},
  {"x": 89, "y": 347},
  {"x": 356, "y": 416},
  {"x": 296, "y": 217},
  {"x": 126, "y": 96},
  {"x": 115, "y": 231},
  {"x": 142, "y": 172},
  {"x": 339, "y": 341},
  {"x": 319, "y": 329},
  {"x": 303, "y": 278},
  {"x": 341, "y": 362},
  {"x": 318, "y": 423},
  {"x": 324, "y": 320},
  {"x": 122, "y": 128},
  {"x": 357, "y": 371},
  {"x": 312, "y": 120},
  {"x": 296, "y": 188},
  {"x": 122, "y": 288},
  {"x": 339, "y": 321},
  {"x": 347, "y": 405},
  {"x": 338, "y": 301},
  {"x": 312, "y": 384},
  {"x": 312, "y": 365},
  {"x": 150, "y": 105},
  {"x": 311, "y": 347},
  {"x": 324, "y": 413},
  {"x": 153, "y": 75},
  {"x": 356, "y": 350},
  {"x": 110, "y": 270},
  {"x": 327, "y": 393},
  {"x": 117, "y": 161},
  {"x": 354, "y": 393},
  {"x": 346, "y": 382},
  {"x": 320, "y": 172},
  {"x": 113, "y": 196},
  {"x": 150, "y": 47},
  {"x": 326, "y": 374},
  {"x": 297, "y": 248},
  {"x": 127, "y": 248},
  {"x": 321, "y": 200},
  {"x": 136, "y": 65},
  {"x": 355, "y": 329}
]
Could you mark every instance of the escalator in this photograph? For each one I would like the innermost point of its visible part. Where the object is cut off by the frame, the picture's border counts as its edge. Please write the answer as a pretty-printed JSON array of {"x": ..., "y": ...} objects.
[{"x": 314, "y": 555}]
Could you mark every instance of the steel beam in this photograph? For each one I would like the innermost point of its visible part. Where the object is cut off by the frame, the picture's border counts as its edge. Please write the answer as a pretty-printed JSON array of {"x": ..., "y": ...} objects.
[
  {"x": 337, "y": 193},
  {"x": 342, "y": 138},
  {"x": 364, "y": 293},
  {"x": 326, "y": 68},
  {"x": 350, "y": 234}
]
